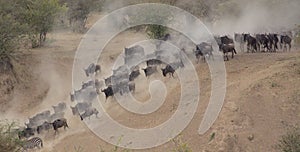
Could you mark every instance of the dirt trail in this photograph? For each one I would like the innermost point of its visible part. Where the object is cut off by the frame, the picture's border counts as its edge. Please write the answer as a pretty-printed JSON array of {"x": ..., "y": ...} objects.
[{"x": 262, "y": 97}]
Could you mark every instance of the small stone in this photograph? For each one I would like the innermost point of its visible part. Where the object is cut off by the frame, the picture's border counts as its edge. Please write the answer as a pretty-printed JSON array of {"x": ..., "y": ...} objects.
[{"x": 251, "y": 137}]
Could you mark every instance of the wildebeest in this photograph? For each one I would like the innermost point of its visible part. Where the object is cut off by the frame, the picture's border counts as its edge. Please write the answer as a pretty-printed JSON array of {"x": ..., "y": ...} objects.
[
  {"x": 262, "y": 41},
  {"x": 26, "y": 133},
  {"x": 59, "y": 107},
  {"x": 251, "y": 42},
  {"x": 89, "y": 112},
  {"x": 91, "y": 69},
  {"x": 38, "y": 119},
  {"x": 226, "y": 48},
  {"x": 56, "y": 116},
  {"x": 75, "y": 95},
  {"x": 273, "y": 38},
  {"x": 90, "y": 83},
  {"x": 165, "y": 37},
  {"x": 108, "y": 91},
  {"x": 134, "y": 74},
  {"x": 152, "y": 62},
  {"x": 285, "y": 40},
  {"x": 149, "y": 70},
  {"x": 203, "y": 49},
  {"x": 135, "y": 50},
  {"x": 79, "y": 107},
  {"x": 240, "y": 39},
  {"x": 168, "y": 70},
  {"x": 58, "y": 123},
  {"x": 45, "y": 126}
]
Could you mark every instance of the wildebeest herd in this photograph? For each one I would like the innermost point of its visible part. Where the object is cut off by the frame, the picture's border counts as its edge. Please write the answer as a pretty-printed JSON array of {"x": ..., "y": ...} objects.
[{"x": 122, "y": 80}]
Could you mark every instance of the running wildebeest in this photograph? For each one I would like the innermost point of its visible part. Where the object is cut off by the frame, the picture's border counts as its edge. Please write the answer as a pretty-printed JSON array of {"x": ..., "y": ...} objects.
[
  {"x": 91, "y": 69},
  {"x": 56, "y": 116},
  {"x": 251, "y": 42},
  {"x": 26, "y": 133},
  {"x": 273, "y": 38},
  {"x": 60, "y": 107},
  {"x": 80, "y": 107},
  {"x": 285, "y": 40},
  {"x": 135, "y": 50},
  {"x": 239, "y": 38},
  {"x": 108, "y": 91},
  {"x": 134, "y": 74},
  {"x": 152, "y": 62},
  {"x": 45, "y": 126},
  {"x": 203, "y": 49},
  {"x": 89, "y": 112},
  {"x": 168, "y": 70},
  {"x": 58, "y": 123},
  {"x": 226, "y": 48},
  {"x": 38, "y": 119},
  {"x": 165, "y": 37},
  {"x": 262, "y": 41},
  {"x": 149, "y": 70}
]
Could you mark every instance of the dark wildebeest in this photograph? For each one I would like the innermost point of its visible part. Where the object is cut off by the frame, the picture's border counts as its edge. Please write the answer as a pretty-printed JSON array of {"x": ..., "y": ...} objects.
[
  {"x": 285, "y": 40},
  {"x": 203, "y": 49},
  {"x": 226, "y": 48},
  {"x": 152, "y": 62},
  {"x": 149, "y": 70},
  {"x": 262, "y": 41},
  {"x": 239, "y": 38},
  {"x": 45, "y": 126},
  {"x": 273, "y": 38},
  {"x": 91, "y": 69},
  {"x": 165, "y": 37},
  {"x": 135, "y": 50},
  {"x": 85, "y": 85},
  {"x": 89, "y": 112},
  {"x": 76, "y": 94},
  {"x": 58, "y": 123},
  {"x": 26, "y": 133},
  {"x": 60, "y": 107},
  {"x": 79, "y": 107},
  {"x": 56, "y": 116},
  {"x": 134, "y": 74},
  {"x": 108, "y": 91},
  {"x": 251, "y": 42},
  {"x": 168, "y": 70}
]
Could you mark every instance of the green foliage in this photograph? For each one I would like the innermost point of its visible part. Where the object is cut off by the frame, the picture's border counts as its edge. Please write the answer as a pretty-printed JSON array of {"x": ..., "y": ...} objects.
[
  {"x": 78, "y": 11},
  {"x": 40, "y": 16},
  {"x": 156, "y": 31},
  {"x": 212, "y": 136},
  {"x": 8, "y": 140},
  {"x": 181, "y": 146},
  {"x": 11, "y": 30},
  {"x": 290, "y": 142}
]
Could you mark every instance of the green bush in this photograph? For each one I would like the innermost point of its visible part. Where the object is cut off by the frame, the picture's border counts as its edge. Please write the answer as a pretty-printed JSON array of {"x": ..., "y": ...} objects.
[
  {"x": 290, "y": 142},
  {"x": 9, "y": 141}
]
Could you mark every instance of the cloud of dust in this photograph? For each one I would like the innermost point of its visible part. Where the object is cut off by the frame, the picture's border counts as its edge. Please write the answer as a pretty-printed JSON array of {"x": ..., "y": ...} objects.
[{"x": 258, "y": 16}]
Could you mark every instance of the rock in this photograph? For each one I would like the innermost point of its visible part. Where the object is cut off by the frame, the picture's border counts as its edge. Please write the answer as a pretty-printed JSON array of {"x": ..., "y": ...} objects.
[{"x": 251, "y": 137}]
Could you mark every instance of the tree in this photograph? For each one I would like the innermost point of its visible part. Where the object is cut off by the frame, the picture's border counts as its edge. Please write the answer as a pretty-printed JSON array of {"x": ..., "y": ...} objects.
[
  {"x": 156, "y": 31},
  {"x": 8, "y": 139},
  {"x": 78, "y": 11},
  {"x": 11, "y": 32},
  {"x": 40, "y": 16}
]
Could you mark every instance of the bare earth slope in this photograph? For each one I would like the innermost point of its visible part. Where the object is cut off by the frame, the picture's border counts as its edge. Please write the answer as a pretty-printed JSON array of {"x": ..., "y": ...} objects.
[{"x": 263, "y": 95}]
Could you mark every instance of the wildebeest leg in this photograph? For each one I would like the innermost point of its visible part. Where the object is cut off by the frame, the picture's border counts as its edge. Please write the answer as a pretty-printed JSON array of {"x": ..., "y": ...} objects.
[
  {"x": 232, "y": 54},
  {"x": 290, "y": 46}
]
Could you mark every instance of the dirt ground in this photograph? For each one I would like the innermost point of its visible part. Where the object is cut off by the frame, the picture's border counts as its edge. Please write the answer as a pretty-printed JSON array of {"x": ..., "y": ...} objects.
[{"x": 262, "y": 99}]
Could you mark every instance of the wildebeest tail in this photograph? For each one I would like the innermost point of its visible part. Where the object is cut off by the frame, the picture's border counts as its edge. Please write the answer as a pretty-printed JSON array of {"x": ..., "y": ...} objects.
[
  {"x": 81, "y": 117},
  {"x": 234, "y": 51}
]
